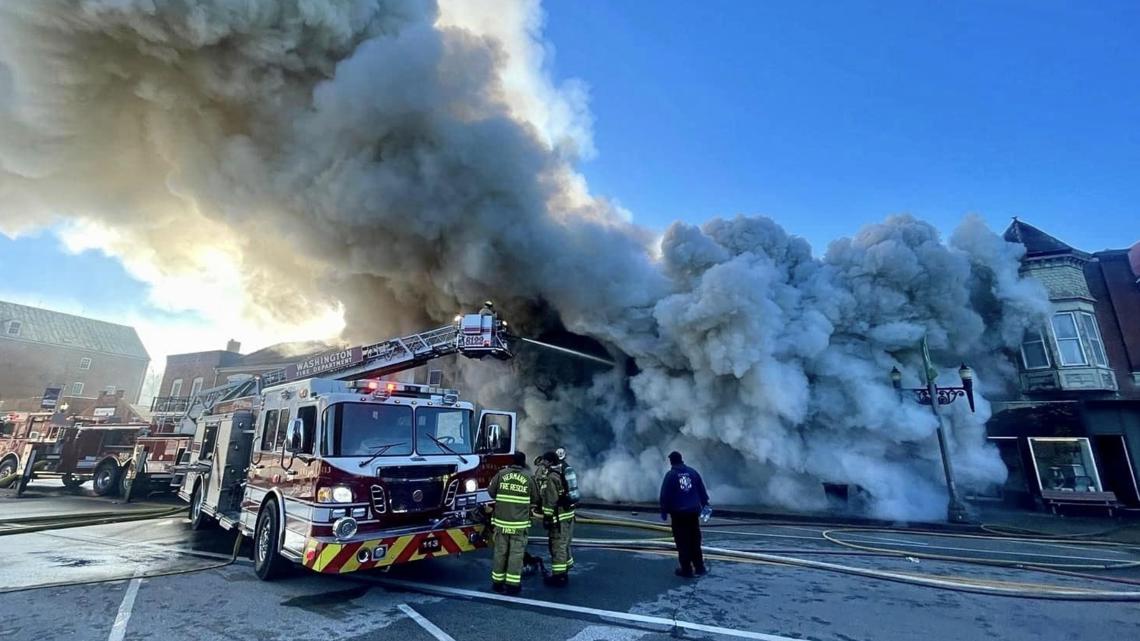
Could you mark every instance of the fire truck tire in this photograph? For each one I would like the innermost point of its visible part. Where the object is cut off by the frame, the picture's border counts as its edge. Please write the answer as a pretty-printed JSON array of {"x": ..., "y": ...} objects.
[
  {"x": 7, "y": 468},
  {"x": 198, "y": 518},
  {"x": 71, "y": 482},
  {"x": 106, "y": 478},
  {"x": 124, "y": 484},
  {"x": 267, "y": 560}
]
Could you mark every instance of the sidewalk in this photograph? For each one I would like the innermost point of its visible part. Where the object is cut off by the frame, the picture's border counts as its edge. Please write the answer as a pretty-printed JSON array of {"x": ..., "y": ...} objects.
[{"x": 1124, "y": 528}]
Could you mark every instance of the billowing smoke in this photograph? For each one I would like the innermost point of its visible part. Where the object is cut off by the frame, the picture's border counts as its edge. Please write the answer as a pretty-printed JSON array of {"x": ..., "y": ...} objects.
[{"x": 394, "y": 163}]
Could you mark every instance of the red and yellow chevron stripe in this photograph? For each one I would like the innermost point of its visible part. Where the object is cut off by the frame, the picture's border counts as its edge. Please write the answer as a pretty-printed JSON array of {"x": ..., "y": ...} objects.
[{"x": 340, "y": 558}]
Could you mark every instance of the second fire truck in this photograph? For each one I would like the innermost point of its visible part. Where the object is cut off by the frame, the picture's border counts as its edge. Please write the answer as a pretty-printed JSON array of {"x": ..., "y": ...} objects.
[{"x": 326, "y": 465}]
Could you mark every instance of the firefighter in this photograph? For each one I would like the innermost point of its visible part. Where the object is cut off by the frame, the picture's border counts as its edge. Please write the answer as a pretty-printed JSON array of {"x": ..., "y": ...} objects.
[
  {"x": 558, "y": 489},
  {"x": 488, "y": 309},
  {"x": 514, "y": 491},
  {"x": 683, "y": 497}
]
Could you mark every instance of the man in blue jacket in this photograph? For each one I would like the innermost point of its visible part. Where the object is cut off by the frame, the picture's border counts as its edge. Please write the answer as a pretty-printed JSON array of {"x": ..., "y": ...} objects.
[{"x": 683, "y": 496}]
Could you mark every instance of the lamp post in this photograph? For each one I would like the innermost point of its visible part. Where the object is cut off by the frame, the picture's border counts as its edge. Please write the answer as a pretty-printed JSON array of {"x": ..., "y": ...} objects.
[{"x": 935, "y": 396}]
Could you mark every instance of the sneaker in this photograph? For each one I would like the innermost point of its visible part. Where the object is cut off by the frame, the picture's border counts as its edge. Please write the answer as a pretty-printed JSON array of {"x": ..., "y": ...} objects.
[{"x": 688, "y": 574}]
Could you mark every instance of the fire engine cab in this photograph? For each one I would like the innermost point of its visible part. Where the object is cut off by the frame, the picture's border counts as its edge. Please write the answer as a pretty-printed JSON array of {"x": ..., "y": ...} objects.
[{"x": 347, "y": 471}]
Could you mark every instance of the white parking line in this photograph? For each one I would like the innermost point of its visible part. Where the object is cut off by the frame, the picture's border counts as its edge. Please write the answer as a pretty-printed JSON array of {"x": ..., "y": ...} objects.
[
  {"x": 430, "y": 627},
  {"x": 578, "y": 609},
  {"x": 119, "y": 629}
]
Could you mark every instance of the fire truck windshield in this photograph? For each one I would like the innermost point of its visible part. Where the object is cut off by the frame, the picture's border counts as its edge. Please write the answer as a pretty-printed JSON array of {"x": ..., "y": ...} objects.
[
  {"x": 449, "y": 427},
  {"x": 359, "y": 429}
]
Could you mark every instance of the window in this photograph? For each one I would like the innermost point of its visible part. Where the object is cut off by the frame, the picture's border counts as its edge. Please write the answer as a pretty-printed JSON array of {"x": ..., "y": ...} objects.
[
  {"x": 269, "y": 431},
  {"x": 176, "y": 387},
  {"x": 196, "y": 387},
  {"x": 7, "y": 429},
  {"x": 308, "y": 416},
  {"x": 363, "y": 429},
  {"x": 1065, "y": 464},
  {"x": 1033, "y": 352},
  {"x": 443, "y": 430},
  {"x": 85, "y": 363},
  {"x": 282, "y": 429},
  {"x": 76, "y": 388},
  {"x": 1068, "y": 340},
  {"x": 1092, "y": 334},
  {"x": 13, "y": 328}
]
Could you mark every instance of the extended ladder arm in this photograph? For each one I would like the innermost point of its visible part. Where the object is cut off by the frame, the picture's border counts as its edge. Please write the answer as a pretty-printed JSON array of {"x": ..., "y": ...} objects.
[{"x": 472, "y": 335}]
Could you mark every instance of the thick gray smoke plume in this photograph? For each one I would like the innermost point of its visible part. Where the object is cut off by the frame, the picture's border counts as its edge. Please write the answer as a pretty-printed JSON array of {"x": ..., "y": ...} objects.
[{"x": 374, "y": 157}]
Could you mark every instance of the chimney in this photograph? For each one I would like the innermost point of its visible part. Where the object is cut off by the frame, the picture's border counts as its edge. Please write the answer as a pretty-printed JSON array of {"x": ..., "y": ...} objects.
[{"x": 233, "y": 346}]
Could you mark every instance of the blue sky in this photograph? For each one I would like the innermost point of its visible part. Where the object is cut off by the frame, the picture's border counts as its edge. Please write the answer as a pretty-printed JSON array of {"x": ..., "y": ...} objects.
[
  {"x": 824, "y": 116},
  {"x": 829, "y": 115}
]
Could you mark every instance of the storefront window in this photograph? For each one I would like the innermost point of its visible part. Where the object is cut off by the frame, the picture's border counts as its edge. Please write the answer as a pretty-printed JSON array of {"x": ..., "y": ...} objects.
[{"x": 1065, "y": 464}]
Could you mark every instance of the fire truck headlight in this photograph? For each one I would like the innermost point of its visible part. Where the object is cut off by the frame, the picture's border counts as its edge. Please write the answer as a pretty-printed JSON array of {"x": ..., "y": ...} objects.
[
  {"x": 470, "y": 486},
  {"x": 344, "y": 528},
  {"x": 338, "y": 494}
]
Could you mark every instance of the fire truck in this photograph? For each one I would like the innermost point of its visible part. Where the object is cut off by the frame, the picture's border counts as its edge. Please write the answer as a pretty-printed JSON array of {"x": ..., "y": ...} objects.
[
  {"x": 73, "y": 452},
  {"x": 327, "y": 465}
]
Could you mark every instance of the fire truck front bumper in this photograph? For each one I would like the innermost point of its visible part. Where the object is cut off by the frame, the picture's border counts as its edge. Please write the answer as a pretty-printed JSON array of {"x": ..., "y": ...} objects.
[{"x": 329, "y": 556}]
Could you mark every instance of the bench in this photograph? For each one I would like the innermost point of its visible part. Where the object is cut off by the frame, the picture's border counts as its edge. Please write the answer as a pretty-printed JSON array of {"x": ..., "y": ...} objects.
[{"x": 1058, "y": 498}]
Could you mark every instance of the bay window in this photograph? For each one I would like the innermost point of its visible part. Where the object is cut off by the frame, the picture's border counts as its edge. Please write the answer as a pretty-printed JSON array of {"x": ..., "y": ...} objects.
[
  {"x": 1033, "y": 352},
  {"x": 1069, "y": 348}
]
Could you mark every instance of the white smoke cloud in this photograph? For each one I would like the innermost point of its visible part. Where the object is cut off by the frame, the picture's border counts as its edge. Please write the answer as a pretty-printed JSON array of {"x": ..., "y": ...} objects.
[{"x": 383, "y": 164}]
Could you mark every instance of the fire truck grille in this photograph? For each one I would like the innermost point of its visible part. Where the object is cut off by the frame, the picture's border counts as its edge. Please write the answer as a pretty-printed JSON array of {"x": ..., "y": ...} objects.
[
  {"x": 415, "y": 495},
  {"x": 379, "y": 504}
]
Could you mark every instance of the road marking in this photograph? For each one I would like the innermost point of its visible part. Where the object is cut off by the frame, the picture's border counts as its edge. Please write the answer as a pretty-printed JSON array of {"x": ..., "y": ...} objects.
[
  {"x": 119, "y": 629},
  {"x": 431, "y": 628},
  {"x": 578, "y": 609}
]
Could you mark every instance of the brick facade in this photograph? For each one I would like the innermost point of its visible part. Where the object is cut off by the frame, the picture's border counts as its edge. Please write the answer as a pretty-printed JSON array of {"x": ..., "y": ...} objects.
[
  {"x": 27, "y": 368},
  {"x": 188, "y": 367}
]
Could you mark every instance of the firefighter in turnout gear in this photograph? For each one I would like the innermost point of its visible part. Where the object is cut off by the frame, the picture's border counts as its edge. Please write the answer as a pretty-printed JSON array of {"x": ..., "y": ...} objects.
[
  {"x": 514, "y": 491},
  {"x": 558, "y": 490}
]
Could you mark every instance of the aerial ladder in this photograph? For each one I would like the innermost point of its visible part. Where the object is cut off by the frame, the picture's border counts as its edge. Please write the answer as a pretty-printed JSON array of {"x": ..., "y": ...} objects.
[{"x": 472, "y": 335}]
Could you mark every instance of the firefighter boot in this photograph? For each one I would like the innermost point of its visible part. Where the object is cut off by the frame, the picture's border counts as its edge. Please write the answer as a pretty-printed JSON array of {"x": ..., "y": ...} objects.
[{"x": 513, "y": 589}]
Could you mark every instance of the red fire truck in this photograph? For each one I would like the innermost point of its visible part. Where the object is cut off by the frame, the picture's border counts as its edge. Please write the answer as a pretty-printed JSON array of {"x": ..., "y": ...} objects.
[
  {"x": 72, "y": 452},
  {"x": 326, "y": 465}
]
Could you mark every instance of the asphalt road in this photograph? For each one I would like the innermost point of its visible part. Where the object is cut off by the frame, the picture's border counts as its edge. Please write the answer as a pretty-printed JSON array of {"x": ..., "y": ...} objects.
[{"x": 613, "y": 594}]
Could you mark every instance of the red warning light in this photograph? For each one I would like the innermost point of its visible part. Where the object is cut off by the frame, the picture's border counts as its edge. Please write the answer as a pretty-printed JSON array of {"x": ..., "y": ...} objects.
[
  {"x": 391, "y": 387},
  {"x": 373, "y": 385}
]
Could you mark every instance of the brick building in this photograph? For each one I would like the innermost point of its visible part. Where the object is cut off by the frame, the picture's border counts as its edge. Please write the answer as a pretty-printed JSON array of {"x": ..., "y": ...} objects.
[
  {"x": 1074, "y": 423},
  {"x": 81, "y": 357},
  {"x": 188, "y": 374}
]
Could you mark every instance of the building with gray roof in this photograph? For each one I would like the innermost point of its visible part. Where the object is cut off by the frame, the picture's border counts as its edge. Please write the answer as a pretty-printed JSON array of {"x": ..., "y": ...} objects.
[{"x": 41, "y": 349}]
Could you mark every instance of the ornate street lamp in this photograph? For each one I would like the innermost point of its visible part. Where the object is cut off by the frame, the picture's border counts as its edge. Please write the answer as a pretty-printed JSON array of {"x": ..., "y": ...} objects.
[{"x": 935, "y": 396}]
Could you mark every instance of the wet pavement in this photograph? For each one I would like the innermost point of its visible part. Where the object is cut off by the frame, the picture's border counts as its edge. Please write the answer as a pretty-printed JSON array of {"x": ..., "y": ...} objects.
[{"x": 613, "y": 594}]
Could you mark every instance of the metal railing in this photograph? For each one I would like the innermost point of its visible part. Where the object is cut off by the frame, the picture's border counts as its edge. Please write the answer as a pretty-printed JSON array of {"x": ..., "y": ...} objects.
[{"x": 170, "y": 404}]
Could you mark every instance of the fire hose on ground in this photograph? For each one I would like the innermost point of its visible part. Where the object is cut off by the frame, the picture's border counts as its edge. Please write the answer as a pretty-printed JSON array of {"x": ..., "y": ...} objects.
[
  {"x": 958, "y": 584},
  {"x": 659, "y": 545}
]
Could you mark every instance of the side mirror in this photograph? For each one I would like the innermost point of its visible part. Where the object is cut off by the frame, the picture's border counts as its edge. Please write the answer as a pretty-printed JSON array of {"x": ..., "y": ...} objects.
[{"x": 294, "y": 436}]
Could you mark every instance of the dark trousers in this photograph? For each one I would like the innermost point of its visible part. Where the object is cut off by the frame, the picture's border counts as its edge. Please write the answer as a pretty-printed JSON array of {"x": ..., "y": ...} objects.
[{"x": 687, "y": 535}]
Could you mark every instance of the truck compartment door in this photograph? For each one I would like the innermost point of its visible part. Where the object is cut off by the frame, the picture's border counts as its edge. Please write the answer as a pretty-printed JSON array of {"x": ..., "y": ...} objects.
[{"x": 496, "y": 433}]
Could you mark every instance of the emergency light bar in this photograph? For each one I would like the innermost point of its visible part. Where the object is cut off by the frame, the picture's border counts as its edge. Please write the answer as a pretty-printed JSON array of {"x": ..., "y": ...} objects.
[{"x": 390, "y": 388}]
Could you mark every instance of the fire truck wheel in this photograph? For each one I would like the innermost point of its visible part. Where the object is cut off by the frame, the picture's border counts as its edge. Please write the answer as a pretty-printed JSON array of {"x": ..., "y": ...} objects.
[
  {"x": 124, "y": 484},
  {"x": 106, "y": 478},
  {"x": 267, "y": 560},
  {"x": 7, "y": 468},
  {"x": 72, "y": 482},
  {"x": 198, "y": 518}
]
